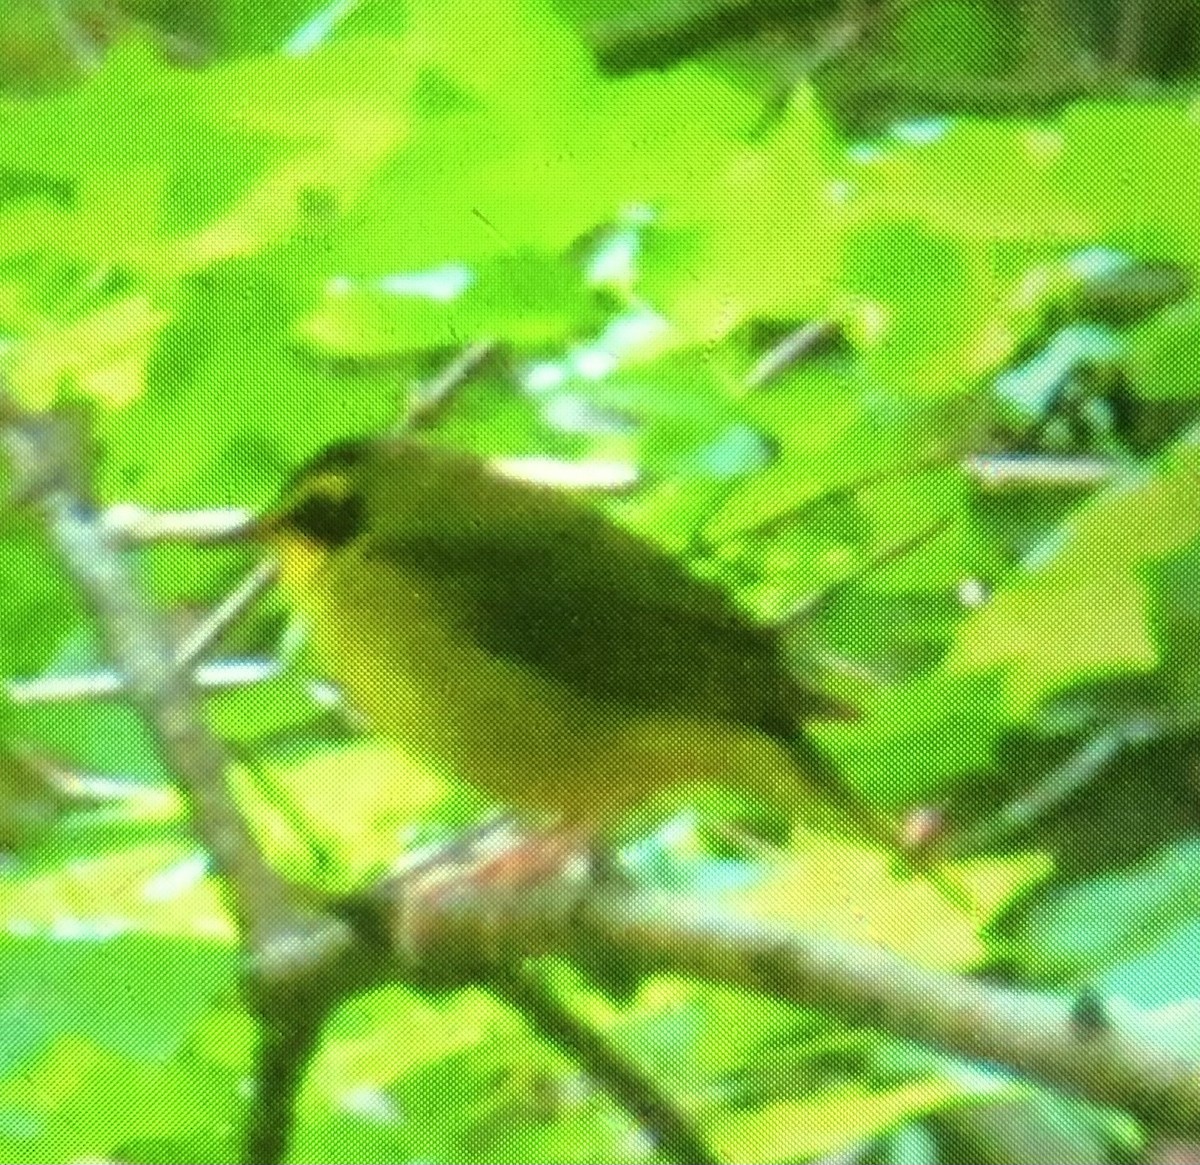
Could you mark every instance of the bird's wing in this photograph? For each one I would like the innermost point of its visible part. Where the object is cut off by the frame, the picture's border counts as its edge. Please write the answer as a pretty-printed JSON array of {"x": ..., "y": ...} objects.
[{"x": 593, "y": 606}]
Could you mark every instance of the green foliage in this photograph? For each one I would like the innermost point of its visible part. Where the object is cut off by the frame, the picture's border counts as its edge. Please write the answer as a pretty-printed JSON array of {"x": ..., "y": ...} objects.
[
  {"x": 956, "y": 37},
  {"x": 1104, "y": 921},
  {"x": 233, "y": 266},
  {"x": 1162, "y": 358},
  {"x": 82, "y": 1011}
]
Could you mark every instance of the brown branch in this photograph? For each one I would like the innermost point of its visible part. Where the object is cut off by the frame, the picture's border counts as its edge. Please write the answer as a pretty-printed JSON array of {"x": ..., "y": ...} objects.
[
  {"x": 1120, "y": 1062},
  {"x": 297, "y": 954},
  {"x": 48, "y": 461},
  {"x": 304, "y": 960}
]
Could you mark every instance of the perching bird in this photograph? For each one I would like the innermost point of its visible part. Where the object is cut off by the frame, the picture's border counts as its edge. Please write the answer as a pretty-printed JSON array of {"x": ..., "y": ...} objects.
[{"x": 513, "y": 635}]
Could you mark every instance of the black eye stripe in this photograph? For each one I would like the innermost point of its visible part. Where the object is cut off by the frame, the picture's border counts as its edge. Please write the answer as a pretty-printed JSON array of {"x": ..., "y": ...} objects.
[
  {"x": 332, "y": 519},
  {"x": 319, "y": 502}
]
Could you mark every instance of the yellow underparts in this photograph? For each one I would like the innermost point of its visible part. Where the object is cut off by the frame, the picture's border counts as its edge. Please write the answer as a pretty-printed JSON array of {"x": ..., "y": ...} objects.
[{"x": 517, "y": 735}]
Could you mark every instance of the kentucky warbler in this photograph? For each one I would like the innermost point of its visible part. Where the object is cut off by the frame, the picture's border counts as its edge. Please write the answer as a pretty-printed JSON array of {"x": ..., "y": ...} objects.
[{"x": 513, "y": 635}]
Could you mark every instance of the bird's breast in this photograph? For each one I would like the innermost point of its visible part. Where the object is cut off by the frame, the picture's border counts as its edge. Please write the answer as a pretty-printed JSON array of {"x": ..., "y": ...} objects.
[{"x": 406, "y": 661}]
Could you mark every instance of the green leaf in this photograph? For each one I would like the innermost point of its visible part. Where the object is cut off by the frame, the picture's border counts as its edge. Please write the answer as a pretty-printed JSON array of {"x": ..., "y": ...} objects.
[
  {"x": 822, "y": 1124},
  {"x": 919, "y": 738},
  {"x": 1085, "y": 590},
  {"x": 1083, "y": 928},
  {"x": 1097, "y": 626}
]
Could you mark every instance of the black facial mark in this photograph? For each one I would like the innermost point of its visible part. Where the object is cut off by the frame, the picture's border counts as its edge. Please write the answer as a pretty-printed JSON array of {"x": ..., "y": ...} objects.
[{"x": 327, "y": 519}]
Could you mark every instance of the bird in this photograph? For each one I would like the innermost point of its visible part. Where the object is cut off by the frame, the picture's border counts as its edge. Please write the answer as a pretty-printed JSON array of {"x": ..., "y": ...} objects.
[{"x": 513, "y": 635}]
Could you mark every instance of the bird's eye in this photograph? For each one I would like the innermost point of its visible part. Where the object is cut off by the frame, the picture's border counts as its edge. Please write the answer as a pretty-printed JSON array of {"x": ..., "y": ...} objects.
[{"x": 328, "y": 511}]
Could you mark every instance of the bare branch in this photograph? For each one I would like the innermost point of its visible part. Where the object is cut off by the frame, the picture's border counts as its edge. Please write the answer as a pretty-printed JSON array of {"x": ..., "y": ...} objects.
[
  {"x": 1075, "y": 773},
  {"x": 202, "y": 637},
  {"x": 301, "y": 959},
  {"x": 431, "y": 399},
  {"x": 136, "y": 525},
  {"x": 809, "y": 339},
  {"x": 48, "y": 463},
  {"x": 1016, "y": 470},
  {"x": 1127, "y": 1063}
]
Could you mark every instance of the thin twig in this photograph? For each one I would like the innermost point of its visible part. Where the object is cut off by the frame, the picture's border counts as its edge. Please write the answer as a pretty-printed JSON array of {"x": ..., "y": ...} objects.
[
  {"x": 1127, "y": 43},
  {"x": 804, "y": 341},
  {"x": 301, "y": 958},
  {"x": 48, "y": 462},
  {"x": 1024, "y": 470},
  {"x": 86, "y": 52},
  {"x": 776, "y": 523},
  {"x": 1075, "y": 773},
  {"x": 804, "y": 611},
  {"x": 1028, "y": 93},
  {"x": 633, "y": 1089},
  {"x": 220, "y": 674},
  {"x": 137, "y": 525},
  {"x": 216, "y": 622},
  {"x": 188, "y": 652},
  {"x": 1130, "y": 1064},
  {"x": 287, "y": 1039},
  {"x": 431, "y": 399},
  {"x": 106, "y": 683}
]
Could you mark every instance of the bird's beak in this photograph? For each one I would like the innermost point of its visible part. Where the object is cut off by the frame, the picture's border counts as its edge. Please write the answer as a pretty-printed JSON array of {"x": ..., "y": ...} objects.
[{"x": 257, "y": 528}]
